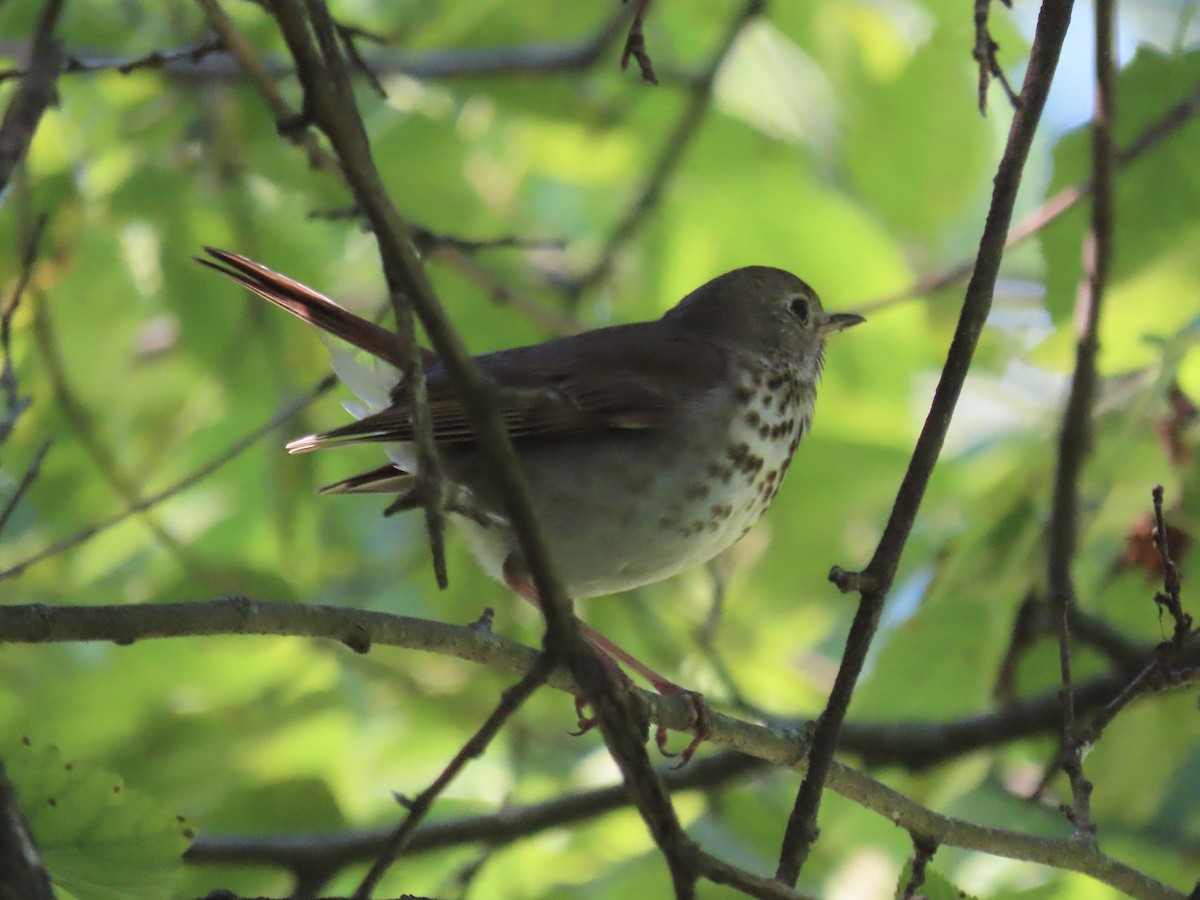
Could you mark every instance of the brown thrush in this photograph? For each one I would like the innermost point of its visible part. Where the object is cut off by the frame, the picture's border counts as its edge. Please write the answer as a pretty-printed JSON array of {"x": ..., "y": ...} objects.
[{"x": 648, "y": 448}]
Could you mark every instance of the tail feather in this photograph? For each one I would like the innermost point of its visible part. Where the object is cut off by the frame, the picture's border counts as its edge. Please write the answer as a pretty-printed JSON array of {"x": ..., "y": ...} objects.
[
  {"x": 309, "y": 305},
  {"x": 387, "y": 479}
]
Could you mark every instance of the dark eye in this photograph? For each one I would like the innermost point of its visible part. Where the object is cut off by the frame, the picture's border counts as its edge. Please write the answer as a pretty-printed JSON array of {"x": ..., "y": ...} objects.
[{"x": 799, "y": 308}]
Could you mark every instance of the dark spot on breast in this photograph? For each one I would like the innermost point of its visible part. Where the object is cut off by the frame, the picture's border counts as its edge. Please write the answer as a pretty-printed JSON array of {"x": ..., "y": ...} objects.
[
  {"x": 743, "y": 395},
  {"x": 753, "y": 418},
  {"x": 696, "y": 490}
]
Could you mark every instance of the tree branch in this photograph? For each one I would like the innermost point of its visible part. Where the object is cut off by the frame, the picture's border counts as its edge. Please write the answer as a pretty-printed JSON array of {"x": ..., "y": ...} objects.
[
  {"x": 874, "y": 582},
  {"x": 673, "y": 150},
  {"x": 34, "y": 95},
  {"x": 360, "y": 630},
  {"x": 1075, "y": 434},
  {"x": 329, "y": 101}
]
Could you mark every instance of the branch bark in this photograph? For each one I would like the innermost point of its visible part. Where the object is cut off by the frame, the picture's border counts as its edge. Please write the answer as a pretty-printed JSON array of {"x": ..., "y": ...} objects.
[{"x": 874, "y": 582}]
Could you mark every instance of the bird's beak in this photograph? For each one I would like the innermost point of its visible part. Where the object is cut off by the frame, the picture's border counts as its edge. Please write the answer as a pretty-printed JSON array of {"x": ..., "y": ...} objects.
[{"x": 835, "y": 322}]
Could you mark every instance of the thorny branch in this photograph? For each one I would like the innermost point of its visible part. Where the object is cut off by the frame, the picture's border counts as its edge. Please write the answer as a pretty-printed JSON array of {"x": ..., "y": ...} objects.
[{"x": 874, "y": 582}]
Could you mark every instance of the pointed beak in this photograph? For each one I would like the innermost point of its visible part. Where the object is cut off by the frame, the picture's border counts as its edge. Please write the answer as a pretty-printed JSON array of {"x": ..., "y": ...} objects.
[{"x": 835, "y": 322}]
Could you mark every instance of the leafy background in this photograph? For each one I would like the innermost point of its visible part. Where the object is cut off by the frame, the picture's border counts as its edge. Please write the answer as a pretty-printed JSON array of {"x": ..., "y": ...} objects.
[{"x": 842, "y": 141}]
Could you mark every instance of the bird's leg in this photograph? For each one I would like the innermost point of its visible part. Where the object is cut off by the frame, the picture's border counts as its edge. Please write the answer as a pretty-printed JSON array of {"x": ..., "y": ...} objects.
[{"x": 701, "y": 722}]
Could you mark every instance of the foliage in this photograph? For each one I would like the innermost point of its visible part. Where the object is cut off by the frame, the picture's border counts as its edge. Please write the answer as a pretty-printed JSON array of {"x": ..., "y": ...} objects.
[{"x": 841, "y": 141}]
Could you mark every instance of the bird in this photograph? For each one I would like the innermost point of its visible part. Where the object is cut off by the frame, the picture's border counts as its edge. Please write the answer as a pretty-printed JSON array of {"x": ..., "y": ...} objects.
[{"x": 648, "y": 448}]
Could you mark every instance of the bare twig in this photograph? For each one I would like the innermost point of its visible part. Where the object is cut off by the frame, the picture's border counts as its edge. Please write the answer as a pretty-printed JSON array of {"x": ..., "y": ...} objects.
[
  {"x": 1168, "y": 597},
  {"x": 674, "y": 148},
  {"x": 14, "y": 403},
  {"x": 875, "y": 580},
  {"x": 31, "y": 474},
  {"x": 984, "y": 54},
  {"x": 510, "y": 701},
  {"x": 1170, "y": 665},
  {"x": 635, "y": 42},
  {"x": 540, "y": 59},
  {"x": 347, "y": 36},
  {"x": 1074, "y": 444},
  {"x": 36, "y": 92},
  {"x": 923, "y": 850},
  {"x": 156, "y": 59}
]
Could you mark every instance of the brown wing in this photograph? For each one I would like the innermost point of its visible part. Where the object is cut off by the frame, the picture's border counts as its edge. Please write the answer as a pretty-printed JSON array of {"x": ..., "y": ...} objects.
[{"x": 628, "y": 376}]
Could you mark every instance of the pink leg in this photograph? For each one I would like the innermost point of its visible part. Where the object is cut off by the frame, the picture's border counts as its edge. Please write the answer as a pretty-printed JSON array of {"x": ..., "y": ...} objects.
[{"x": 702, "y": 715}]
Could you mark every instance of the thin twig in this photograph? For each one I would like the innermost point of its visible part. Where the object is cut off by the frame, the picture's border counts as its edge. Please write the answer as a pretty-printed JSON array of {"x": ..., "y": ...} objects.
[
  {"x": 510, "y": 701},
  {"x": 28, "y": 478},
  {"x": 984, "y": 54},
  {"x": 635, "y": 42},
  {"x": 532, "y": 59},
  {"x": 34, "y": 95},
  {"x": 923, "y": 850},
  {"x": 14, "y": 403},
  {"x": 874, "y": 582},
  {"x": 673, "y": 150},
  {"x": 1168, "y": 597},
  {"x": 156, "y": 59},
  {"x": 1075, "y": 434}
]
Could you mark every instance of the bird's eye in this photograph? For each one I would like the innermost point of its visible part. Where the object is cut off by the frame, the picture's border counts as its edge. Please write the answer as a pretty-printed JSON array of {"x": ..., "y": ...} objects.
[{"x": 799, "y": 308}]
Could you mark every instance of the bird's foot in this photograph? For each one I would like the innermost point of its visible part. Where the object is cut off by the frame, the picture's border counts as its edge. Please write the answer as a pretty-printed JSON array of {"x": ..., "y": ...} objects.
[
  {"x": 586, "y": 723},
  {"x": 701, "y": 724}
]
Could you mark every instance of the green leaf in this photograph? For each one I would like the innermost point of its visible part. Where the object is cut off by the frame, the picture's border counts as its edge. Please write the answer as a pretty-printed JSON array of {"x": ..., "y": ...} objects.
[{"x": 99, "y": 839}]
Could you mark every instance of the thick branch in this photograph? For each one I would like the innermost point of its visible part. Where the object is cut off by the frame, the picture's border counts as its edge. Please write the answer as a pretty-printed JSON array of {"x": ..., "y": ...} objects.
[{"x": 360, "y": 630}]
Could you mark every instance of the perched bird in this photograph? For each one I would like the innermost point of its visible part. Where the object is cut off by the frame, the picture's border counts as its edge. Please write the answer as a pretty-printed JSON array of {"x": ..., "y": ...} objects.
[{"x": 648, "y": 448}]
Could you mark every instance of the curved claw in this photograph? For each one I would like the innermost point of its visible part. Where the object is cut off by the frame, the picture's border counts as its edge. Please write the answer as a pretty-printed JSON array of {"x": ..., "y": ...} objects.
[
  {"x": 585, "y": 723},
  {"x": 701, "y": 725}
]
